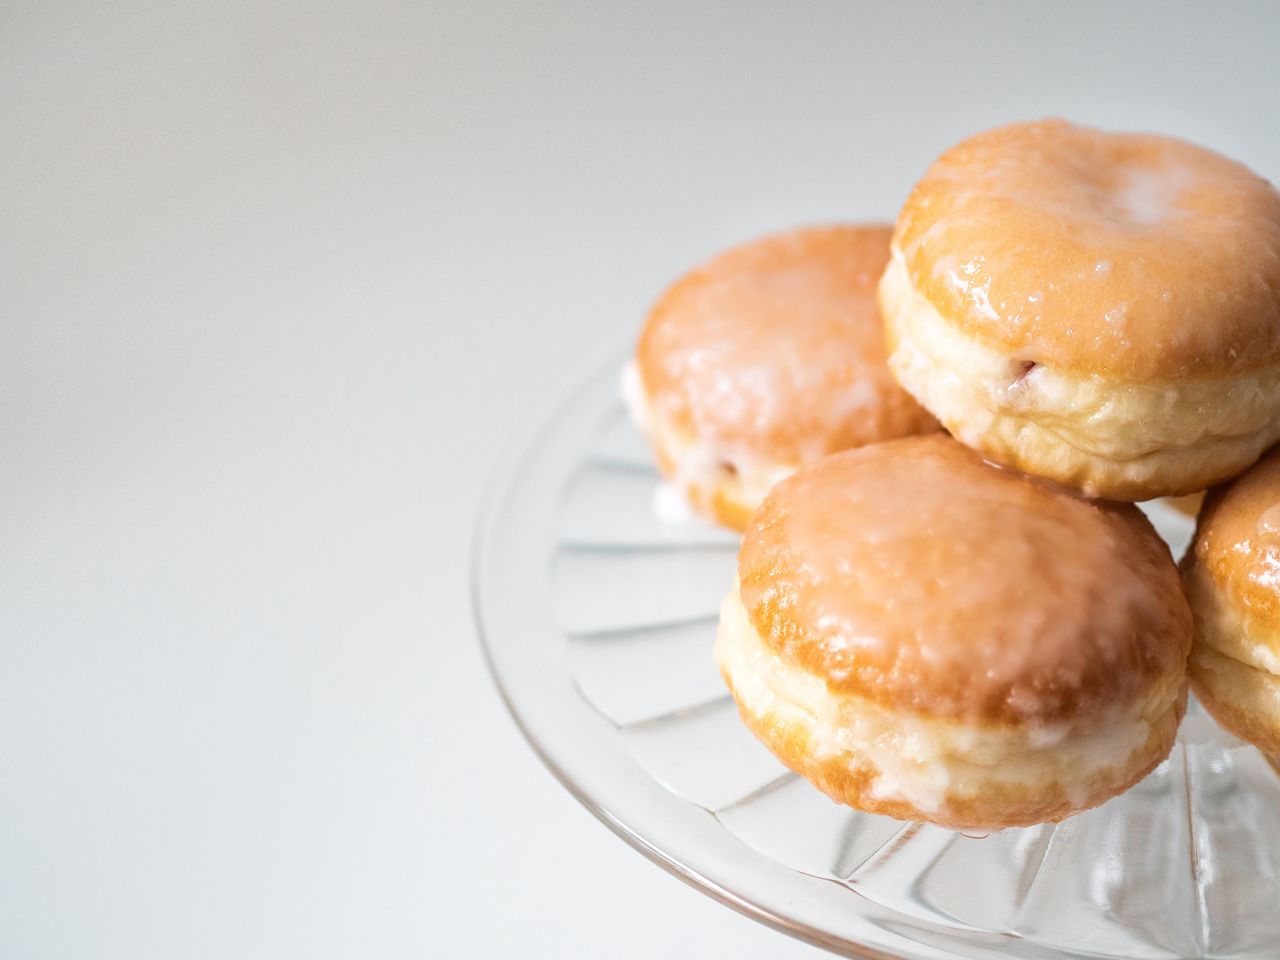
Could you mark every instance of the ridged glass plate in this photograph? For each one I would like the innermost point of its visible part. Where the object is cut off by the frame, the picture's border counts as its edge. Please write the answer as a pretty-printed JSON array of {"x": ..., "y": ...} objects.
[{"x": 598, "y": 620}]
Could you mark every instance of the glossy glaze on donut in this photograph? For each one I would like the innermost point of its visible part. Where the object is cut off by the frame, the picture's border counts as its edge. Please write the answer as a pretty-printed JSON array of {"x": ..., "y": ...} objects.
[
  {"x": 1132, "y": 257},
  {"x": 1232, "y": 577},
  {"x": 1029, "y": 642},
  {"x": 767, "y": 357},
  {"x": 1101, "y": 309}
]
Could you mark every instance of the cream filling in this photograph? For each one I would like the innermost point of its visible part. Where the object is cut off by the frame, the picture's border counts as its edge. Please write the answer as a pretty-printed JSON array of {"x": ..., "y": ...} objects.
[
  {"x": 922, "y": 760},
  {"x": 978, "y": 391},
  {"x": 699, "y": 464}
]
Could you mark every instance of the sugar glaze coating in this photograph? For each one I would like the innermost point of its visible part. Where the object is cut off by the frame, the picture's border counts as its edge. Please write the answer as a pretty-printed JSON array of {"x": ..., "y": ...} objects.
[
  {"x": 776, "y": 350},
  {"x": 1121, "y": 255},
  {"x": 918, "y": 576}
]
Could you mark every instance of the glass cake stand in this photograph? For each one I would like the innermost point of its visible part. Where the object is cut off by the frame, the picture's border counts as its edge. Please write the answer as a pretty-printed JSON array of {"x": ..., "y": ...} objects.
[{"x": 598, "y": 620}]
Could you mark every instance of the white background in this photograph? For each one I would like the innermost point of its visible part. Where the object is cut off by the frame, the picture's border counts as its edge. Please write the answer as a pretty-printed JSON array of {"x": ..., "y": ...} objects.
[{"x": 277, "y": 282}]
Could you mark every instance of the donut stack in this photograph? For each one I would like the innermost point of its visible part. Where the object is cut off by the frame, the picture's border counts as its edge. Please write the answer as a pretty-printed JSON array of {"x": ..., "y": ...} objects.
[{"x": 932, "y": 436}]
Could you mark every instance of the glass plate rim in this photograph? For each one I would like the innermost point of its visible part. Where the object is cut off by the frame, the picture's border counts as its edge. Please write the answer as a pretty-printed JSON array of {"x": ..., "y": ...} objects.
[
  {"x": 516, "y": 524},
  {"x": 520, "y": 444}
]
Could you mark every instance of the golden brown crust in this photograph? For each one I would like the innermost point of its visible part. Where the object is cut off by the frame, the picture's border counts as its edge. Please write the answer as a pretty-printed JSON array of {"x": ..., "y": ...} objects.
[
  {"x": 774, "y": 350},
  {"x": 1231, "y": 573},
  {"x": 727, "y": 506},
  {"x": 848, "y": 778},
  {"x": 1243, "y": 699},
  {"x": 1237, "y": 542},
  {"x": 1131, "y": 257},
  {"x": 921, "y": 578}
]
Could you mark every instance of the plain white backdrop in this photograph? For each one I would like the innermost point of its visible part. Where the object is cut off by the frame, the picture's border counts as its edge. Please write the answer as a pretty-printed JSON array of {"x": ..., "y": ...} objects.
[{"x": 277, "y": 282}]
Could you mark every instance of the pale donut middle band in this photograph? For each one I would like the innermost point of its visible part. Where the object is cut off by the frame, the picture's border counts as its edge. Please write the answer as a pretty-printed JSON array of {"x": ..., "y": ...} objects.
[
  {"x": 1134, "y": 440},
  {"x": 958, "y": 773}
]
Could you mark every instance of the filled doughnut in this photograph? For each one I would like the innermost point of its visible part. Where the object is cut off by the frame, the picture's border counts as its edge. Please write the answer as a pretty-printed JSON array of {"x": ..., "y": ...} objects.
[
  {"x": 768, "y": 357},
  {"x": 927, "y": 636},
  {"x": 1101, "y": 309}
]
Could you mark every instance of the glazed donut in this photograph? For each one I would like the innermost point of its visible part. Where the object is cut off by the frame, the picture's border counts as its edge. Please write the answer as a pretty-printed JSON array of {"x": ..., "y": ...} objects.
[
  {"x": 1101, "y": 309},
  {"x": 1231, "y": 579},
  {"x": 924, "y": 635},
  {"x": 768, "y": 357}
]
